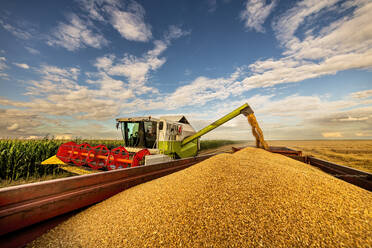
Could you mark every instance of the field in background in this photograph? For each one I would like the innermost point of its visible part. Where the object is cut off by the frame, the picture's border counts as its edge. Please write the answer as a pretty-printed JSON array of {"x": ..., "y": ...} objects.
[
  {"x": 352, "y": 153},
  {"x": 211, "y": 144}
]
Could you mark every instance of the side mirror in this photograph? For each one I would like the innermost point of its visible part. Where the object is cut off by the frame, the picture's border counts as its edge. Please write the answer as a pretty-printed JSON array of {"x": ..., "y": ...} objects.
[{"x": 117, "y": 125}]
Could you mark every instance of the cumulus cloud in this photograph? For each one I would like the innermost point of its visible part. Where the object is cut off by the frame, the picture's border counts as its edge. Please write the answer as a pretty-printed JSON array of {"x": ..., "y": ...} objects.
[
  {"x": 22, "y": 65},
  {"x": 137, "y": 69},
  {"x": 16, "y": 121},
  {"x": 130, "y": 24},
  {"x": 255, "y": 14},
  {"x": 200, "y": 91},
  {"x": 58, "y": 93},
  {"x": 76, "y": 34},
  {"x": 127, "y": 19},
  {"x": 332, "y": 135}
]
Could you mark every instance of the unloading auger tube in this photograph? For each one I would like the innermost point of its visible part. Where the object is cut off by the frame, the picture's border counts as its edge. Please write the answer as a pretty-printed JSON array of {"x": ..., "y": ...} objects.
[{"x": 247, "y": 111}]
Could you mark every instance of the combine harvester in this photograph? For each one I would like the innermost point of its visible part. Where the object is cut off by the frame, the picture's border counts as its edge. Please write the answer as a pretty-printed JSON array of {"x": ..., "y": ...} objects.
[{"x": 147, "y": 141}]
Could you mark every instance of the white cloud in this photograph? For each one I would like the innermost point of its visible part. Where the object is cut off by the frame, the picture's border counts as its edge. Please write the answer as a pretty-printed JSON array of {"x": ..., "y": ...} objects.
[
  {"x": 3, "y": 63},
  {"x": 137, "y": 69},
  {"x": 32, "y": 50},
  {"x": 175, "y": 32},
  {"x": 361, "y": 134},
  {"x": 362, "y": 94},
  {"x": 93, "y": 8},
  {"x": 19, "y": 33},
  {"x": 15, "y": 121},
  {"x": 4, "y": 75},
  {"x": 349, "y": 118},
  {"x": 127, "y": 19},
  {"x": 3, "y": 66},
  {"x": 332, "y": 135},
  {"x": 34, "y": 137},
  {"x": 255, "y": 14},
  {"x": 200, "y": 91},
  {"x": 13, "y": 127},
  {"x": 130, "y": 24},
  {"x": 286, "y": 26},
  {"x": 105, "y": 62},
  {"x": 76, "y": 34},
  {"x": 22, "y": 65},
  {"x": 63, "y": 137},
  {"x": 58, "y": 93}
]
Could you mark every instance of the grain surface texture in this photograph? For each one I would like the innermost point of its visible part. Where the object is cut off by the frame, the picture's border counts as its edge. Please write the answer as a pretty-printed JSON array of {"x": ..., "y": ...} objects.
[{"x": 252, "y": 198}]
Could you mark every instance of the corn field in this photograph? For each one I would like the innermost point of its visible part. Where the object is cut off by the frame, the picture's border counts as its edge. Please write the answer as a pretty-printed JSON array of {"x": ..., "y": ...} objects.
[{"x": 20, "y": 159}]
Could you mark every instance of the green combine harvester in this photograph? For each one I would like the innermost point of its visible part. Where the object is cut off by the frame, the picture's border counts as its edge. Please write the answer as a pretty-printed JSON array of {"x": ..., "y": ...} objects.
[{"x": 149, "y": 141}]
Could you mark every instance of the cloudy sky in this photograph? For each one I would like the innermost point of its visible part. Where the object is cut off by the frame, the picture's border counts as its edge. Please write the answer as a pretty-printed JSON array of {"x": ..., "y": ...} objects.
[{"x": 69, "y": 68}]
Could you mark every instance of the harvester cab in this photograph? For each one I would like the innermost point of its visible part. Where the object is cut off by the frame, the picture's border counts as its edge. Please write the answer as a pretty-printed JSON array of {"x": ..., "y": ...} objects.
[
  {"x": 148, "y": 141},
  {"x": 159, "y": 136}
]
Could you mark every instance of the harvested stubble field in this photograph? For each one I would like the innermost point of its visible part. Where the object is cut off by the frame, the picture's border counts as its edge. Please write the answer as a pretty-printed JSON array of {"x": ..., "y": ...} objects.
[
  {"x": 248, "y": 199},
  {"x": 352, "y": 153}
]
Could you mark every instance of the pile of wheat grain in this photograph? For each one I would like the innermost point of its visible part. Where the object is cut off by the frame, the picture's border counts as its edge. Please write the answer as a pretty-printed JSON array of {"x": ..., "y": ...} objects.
[{"x": 252, "y": 198}]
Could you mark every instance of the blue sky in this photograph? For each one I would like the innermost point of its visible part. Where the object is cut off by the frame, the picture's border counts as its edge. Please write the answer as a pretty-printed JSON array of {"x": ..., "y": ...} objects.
[{"x": 69, "y": 68}]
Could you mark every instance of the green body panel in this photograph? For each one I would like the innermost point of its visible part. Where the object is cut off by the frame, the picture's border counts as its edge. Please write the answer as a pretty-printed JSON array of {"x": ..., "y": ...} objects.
[
  {"x": 175, "y": 148},
  {"x": 244, "y": 109}
]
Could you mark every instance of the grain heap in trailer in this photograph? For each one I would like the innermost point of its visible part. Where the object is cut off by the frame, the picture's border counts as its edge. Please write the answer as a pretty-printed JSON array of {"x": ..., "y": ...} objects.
[{"x": 148, "y": 141}]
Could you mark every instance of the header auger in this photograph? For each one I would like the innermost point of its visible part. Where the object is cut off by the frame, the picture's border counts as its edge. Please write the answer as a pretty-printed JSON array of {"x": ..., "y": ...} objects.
[
  {"x": 148, "y": 141},
  {"x": 99, "y": 157}
]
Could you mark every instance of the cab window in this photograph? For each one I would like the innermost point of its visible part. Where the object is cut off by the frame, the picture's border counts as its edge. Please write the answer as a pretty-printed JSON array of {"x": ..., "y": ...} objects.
[{"x": 150, "y": 134}]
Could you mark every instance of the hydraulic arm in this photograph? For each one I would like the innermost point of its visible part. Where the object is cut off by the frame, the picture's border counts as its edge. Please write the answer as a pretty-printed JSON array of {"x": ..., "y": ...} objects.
[{"x": 246, "y": 110}]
